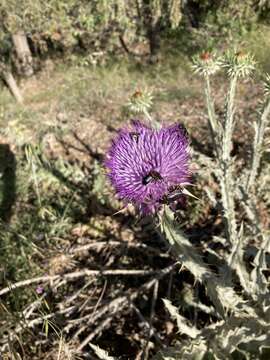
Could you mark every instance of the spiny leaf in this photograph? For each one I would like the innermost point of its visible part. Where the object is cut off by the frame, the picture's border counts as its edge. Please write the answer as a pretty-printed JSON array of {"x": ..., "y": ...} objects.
[
  {"x": 102, "y": 354},
  {"x": 221, "y": 293},
  {"x": 182, "y": 324},
  {"x": 259, "y": 282},
  {"x": 236, "y": 260}
]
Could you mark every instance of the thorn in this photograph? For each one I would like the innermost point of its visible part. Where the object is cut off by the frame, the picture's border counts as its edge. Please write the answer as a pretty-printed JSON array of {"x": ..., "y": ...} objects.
[
  {"x": 120, "y": 211},
  {"x": 186, "y": 192}
]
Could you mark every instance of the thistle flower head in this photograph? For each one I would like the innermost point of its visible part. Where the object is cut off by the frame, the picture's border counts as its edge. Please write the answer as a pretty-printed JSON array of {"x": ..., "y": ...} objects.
[
  {"x": 206, "y": 64},
  {"x": 145, "y": 164},
  {"x": 239, "y": 64},
  {"x": 140, "y": 101}
]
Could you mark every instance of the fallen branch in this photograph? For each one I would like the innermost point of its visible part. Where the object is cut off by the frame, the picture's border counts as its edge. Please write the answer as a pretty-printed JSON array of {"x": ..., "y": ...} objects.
[
  {"x": 77, "y": 274},
  {"x": 100, "y": 244},
  {"x": 110, "y": 310},
  {"x": 12, "y": 85}
]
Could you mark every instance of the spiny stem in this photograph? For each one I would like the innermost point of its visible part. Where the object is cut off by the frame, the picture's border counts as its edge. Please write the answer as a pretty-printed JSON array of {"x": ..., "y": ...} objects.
[
  {"x": 222, "y": 141},
  {"x": 147, "y": 115},
  {"x": 257, "y": 146},
  {"x": 226, "y": 176},
  {"x": 151, "y": 120},
  {"x": 229, "y": 123},
  {"x": 210, "y": 106}
]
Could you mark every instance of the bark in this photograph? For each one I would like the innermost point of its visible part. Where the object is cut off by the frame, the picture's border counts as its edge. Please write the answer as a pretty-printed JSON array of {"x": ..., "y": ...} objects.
[
  {"x": 154, "y": 43},
  {"x": 152, "y": 26},
  {"x": 23, "y": 53}
]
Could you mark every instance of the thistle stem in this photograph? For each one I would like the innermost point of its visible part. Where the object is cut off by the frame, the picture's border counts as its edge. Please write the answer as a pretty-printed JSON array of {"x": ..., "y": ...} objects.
[
  {"x": 229, "y": 123},
  {"x": 212, "y": 121},
  {"x": 150, "y": 119},
  {"x": 226, "y": 176},
  {"x": 257, "y": 146},
  {"x": 222, "y": 142}
]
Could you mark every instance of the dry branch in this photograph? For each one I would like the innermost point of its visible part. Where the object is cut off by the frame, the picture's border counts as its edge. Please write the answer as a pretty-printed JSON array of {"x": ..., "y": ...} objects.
[
  {"x": 110, "y": 310},
  {"x": 12, "y": 85},
  {"x": 118, "y": 304},
  {"x": 76, "y": 275},
  {"x": 100, "y": 244}
]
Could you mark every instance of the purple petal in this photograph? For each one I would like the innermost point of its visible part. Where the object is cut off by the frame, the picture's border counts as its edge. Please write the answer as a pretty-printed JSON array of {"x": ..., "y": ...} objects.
[{"x": 144, "y": 163}]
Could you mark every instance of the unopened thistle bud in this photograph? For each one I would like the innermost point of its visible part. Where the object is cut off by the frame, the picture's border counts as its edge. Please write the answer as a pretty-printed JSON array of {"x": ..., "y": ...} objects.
[
  {"x": 239, "y": 64},
  {"x": 140, "y": 102},
  {"x": 206, "y": 64}
]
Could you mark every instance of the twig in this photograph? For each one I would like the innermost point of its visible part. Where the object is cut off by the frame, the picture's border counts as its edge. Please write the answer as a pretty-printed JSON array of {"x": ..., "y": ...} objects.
[
  {"x": 154, "y": 300},
  {"x": 153, "y": 305},
  {"x": 98, "y": 330},
  {"x": 111, "y": 309},
  {"x": 75, "y": 275},
  {"x": 100, "y": 244},
  {"x": 32, "y": 307},
  {"x": 34, "y": 322},
  {"x": 77, "y": 293},
  {"x": 99, "y": 299},
  {"x": 121, "y": 302},
  {"x": 147, "y": 324}
]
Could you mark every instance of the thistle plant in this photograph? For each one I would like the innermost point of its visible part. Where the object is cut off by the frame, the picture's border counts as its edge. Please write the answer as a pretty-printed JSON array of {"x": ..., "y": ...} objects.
[
  {"x": 226, "y": 337},
  {"x": 149, "y": 167}
]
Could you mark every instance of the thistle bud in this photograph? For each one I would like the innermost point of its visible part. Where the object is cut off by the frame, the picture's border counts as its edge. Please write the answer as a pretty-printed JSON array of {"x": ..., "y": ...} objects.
[
  {"x": 140, "y": 101},
  {"x": 206, "y": 64},
  {"x": 239, "y": 64}
]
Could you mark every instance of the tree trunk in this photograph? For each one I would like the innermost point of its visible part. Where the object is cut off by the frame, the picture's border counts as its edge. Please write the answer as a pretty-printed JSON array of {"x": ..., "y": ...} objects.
[
  {"x": 154, "y": 43},
  {"x": 12, "y": 85},
  {"x": 151, "y": 24},
  {"x": 23, "y": 53}
]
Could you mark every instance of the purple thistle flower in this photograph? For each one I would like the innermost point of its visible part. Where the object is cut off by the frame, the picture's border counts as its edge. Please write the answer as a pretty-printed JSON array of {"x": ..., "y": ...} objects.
[{"x": 145, "y": 164}]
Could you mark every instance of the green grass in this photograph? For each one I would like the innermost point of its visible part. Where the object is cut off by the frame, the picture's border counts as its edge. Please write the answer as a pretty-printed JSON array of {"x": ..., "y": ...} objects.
[
  {"x": 258, "y": 43},
  {"x": 74, "y": 90}
]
